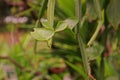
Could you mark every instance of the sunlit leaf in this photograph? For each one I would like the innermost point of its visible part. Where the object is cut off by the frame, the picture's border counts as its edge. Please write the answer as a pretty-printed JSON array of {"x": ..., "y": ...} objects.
[
  {"x": 70, "y": 23},
  {"x": 60, "y": 26},
  {"x": 42, "y": 34},
  {"x": 113, "y": 13}
]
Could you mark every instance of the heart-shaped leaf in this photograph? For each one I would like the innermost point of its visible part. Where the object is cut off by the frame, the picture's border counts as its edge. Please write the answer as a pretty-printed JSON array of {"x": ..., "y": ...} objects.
[
  {"x": 113, "y": 13},
  {"x": 42, "y": 34}
]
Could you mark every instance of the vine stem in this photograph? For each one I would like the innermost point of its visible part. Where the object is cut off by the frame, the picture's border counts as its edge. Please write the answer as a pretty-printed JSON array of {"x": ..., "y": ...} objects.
[
  {"x": 50, "y": 12},
  {"x": 80, "y": 41},
  {"x": 100, "y": 22},
  {"x": 50, "y": 17}
]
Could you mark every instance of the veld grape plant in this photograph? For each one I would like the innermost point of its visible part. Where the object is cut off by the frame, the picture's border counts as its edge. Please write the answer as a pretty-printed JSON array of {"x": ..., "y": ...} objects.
[{"x": 60, "y": 40}]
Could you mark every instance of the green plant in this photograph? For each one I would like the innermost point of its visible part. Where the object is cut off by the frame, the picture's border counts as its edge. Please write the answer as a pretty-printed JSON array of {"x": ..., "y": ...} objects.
[
  {"x": 62, "y": 39},
  {"x": 98, "y": 15}
]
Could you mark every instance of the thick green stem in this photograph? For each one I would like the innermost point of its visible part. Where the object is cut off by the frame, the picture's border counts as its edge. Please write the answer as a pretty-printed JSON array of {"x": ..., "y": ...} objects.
[
  {"x": 41, "y": 12},
  {"x": 50, "y": 17},
  {"x": 81, "y": 44},
  {"x": 50, "y": 12}
]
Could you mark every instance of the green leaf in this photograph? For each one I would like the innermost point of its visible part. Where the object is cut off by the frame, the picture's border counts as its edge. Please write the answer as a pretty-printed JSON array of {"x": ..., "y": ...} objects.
[
  {"x": 47, "y": 25},
  {"x": 60, "y": 26},
  {"x": 94, "y": 8},
  {"x": 67, "y": 6},
  {"x": 71, "y": 23},
  {"x": 113, "y": 13},
  {"x": 94, "y": 51},
  {"x": 42, "y": 34},
  {"x": 77, "y": 69},
  {"x": 90, "y": 12}
]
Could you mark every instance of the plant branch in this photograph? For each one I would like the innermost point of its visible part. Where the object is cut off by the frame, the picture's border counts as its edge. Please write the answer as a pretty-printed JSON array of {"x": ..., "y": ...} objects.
[
  {"x": 50, "y": 12},
  {"x": 81, "y": 44},
  {"x": 12, "y": 61},
  {"x": 15, "y": 63},
  {"x": 35, "y": 43}
]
